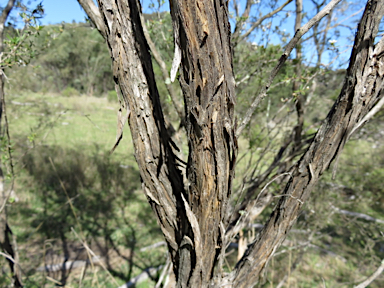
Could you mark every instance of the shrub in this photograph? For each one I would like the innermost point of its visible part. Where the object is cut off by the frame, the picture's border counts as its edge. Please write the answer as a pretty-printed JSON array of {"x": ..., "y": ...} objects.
[
  {"x": 69, "y": 92},
  {"x": 112, "y": 96}
]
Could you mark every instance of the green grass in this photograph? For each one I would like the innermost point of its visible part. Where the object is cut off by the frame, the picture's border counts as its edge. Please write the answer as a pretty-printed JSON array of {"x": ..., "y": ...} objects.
[
  {"x": 110, "y": 212},
  {"x": 67, "y": 121},
  {"x": 66, "y": 180}
]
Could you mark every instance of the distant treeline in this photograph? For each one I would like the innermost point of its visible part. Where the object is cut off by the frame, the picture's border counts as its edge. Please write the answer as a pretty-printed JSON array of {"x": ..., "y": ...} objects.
[
  {"x": 67, "y": 57},
  {"x": 73, "y": 59}
]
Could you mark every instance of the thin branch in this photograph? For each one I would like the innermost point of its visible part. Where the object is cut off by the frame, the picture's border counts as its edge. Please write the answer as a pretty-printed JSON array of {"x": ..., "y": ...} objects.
[
  {"x": 93, "y": 13},
  {"x": 236, "y": 8},
  {"x": 164, "y": 71},
  {"x": 261, "y": 19},
  {"x": 6, "y": 11},
  {"x": 251, "y": 211},
  {"x": 371, "y": 113},
  {"x": 299, "y": 33},
  {"x": 372, "y": 277},
  {"x": 94, "y": 256},
  {"x": 337, "y": 24},
  {"x": 357, "y": 215},
  {"x": 147, "y": 273},
  {"x": 9, "y": 257},
  {"x": 362, "y": 89},
  {"x": 157, "y": 244},
  {"x": 165, "y": 271},
  {"x": 241, "y": 21}
]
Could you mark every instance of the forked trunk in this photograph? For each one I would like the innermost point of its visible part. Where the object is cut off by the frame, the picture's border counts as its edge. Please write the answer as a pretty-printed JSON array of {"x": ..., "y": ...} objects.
[
  {"x": 193, "y": 212},
  {"x": 193, "y": 219}
]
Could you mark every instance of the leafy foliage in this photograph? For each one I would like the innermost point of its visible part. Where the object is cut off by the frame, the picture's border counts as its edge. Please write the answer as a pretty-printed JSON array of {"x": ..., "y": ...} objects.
[
  {"x": 329, "y": 247},
  {"x": 69, "y": 56}
]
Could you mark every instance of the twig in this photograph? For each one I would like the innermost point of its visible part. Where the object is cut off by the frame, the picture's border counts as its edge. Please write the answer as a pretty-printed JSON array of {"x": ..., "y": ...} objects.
[
  {"x": 149, "y": 272},
  {"x": 90, "y": 252},
  {"x": 9, "y": 150},
  {"x": 9, "y": 257},
  {"x": 157, "y": 244},
  {"x": 54, "y": 281},
  {"x": 243, "y": 217},
  {"x": 261, "y": 19},
  {"x": 301, "y": 202},
  {"x": 83, "y": 242},
  {"x": 357, "y": 215},
  {"x": 372, "y": 277},
  {"x": 370, "y": 114},
  {"x": 299, "y": 33},
  {"x": 164, "y": 272}
]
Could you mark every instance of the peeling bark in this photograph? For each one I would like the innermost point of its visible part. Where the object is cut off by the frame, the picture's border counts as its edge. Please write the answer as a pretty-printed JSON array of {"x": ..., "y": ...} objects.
[
  {"x": 133, "y": 73},
  {"x": 362, "y": 90},
  {"x": 194, "y": 217},
  {"x": 94, "y": 14},
  {"x": 202, "y": 32}
]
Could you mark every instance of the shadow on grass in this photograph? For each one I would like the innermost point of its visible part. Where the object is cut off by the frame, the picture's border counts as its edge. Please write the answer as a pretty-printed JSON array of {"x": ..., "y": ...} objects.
[{"x": 93, "y": 195}]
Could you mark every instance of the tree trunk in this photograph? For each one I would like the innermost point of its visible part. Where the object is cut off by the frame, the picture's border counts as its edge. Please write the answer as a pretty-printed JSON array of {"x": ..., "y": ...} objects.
[
  {"x": 192, "y": 211},
  {"x": 192, "y": 221},
  {"x": 5, "y": 230},
  {"x": 202, "y": 33},
  {"x": 162, "y": 179}
]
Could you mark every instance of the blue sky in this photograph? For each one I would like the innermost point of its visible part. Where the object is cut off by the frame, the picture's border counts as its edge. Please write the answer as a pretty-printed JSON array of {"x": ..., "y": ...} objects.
[{"x": 57, "y": 11}]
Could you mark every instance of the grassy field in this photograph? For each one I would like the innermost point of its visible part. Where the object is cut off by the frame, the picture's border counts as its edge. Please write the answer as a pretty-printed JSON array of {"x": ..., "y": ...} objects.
[
  {"x": 70, "y": 193},
  {"x": 67, "y": 121}
]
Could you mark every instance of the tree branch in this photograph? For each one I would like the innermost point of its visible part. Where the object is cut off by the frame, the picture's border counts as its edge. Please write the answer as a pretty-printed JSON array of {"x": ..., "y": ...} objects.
[
  {"x": 369, "y": 280},
  {"x": 356, "y": 214},
  {"x": 94, "y": 14},
  {"x": 202, "y": 33},
  {"x": 6, "y": 11},
  {"x": 241, "y": 21},
  {"x": 134, "y": 76},
  {"x": 362, "y": 89},
  {"x": 164, "y": 71},
  {"x": 259, "y": 21},
  {"x": 299, "y": 33}
]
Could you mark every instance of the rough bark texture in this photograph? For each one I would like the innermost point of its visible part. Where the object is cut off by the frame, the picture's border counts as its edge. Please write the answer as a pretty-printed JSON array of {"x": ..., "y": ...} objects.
[
  {"x": 192, "y": 221},
  {"x": 133, "y": 73},
  {"x": 94, "y": 14},
  {"x": 361, "y": 91},
  {"x": 202, "y": 33},
  {"x": 193, "y": 212}
]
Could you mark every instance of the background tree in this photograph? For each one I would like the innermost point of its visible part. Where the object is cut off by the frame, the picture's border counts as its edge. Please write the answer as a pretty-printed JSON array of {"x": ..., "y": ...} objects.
[
  {"x": 6, "y": 243},
  {"x": 7, "y": 59},
  {"x": 193, "y": 211}
]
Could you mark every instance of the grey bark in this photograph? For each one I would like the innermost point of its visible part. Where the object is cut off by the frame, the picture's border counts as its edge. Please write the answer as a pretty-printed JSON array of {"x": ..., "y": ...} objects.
[
  {"x": 94, "y": 14},
  {"x": 194, "y": 218},
  {"x": 154, "y": 149},
  {"x": 361, "y": 91},
  {"x": 202, "y": 32}
]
